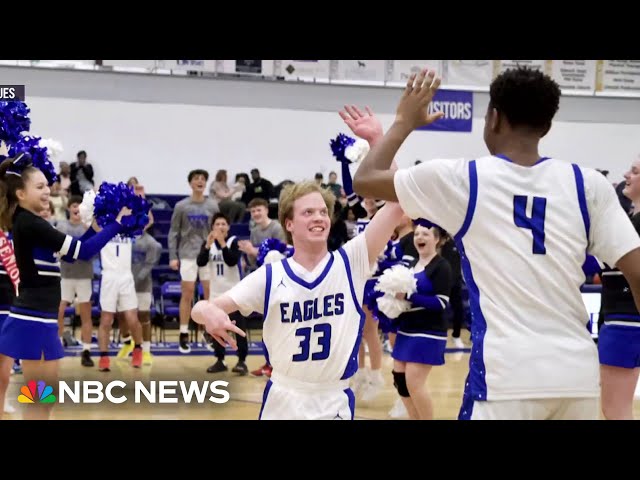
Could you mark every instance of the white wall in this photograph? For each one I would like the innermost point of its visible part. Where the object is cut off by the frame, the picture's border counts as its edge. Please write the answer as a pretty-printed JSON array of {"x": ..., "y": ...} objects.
[{"x": 159, "y": 128}]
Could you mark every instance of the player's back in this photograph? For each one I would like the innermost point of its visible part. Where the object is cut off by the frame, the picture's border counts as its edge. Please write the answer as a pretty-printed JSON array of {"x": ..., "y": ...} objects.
[
  {"x": 524, "y": 241},
  {"x": 115, "y": 256},
  {"x": 312, "y": 327}
]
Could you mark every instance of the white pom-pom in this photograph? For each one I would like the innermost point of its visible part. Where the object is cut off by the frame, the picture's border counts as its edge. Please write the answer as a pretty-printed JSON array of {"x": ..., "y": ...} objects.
[
  {"x": 397, "y": 279},
  {"x": 273, "y": 256},
  {"x": 86, "y": 207},
  {"x": 54, "y": 148},
  {"x": 356, "y": 152},
  {"x": 391, "y": 306},
  {"x": 4, "y": 150}
]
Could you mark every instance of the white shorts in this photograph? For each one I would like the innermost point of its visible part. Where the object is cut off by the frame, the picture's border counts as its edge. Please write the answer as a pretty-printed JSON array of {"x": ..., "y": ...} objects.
[
  {"x": 286, "y": 399},
  {"x": 118, "y": 293},
  {"x": 144, "y": 301},
  {"x": 189, "y": 271},
  {"x": 76, "y": 287},
  {"x": 538, "y": 409}
]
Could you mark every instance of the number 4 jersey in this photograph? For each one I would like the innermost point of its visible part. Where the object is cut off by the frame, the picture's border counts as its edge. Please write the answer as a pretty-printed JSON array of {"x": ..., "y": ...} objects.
[
  {"x": 313, "y": 320},
  {"x": 523, "y": 234}
]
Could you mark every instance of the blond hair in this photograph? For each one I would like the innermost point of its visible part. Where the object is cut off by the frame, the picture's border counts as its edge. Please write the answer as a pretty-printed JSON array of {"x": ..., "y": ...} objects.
[{"x": 293, "y": 192}]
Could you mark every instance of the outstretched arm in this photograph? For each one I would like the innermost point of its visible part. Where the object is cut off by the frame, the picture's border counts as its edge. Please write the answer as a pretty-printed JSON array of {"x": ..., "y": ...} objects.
[
  {"x": 374, "y": 179},
  {"x": 214, "y": 315}
]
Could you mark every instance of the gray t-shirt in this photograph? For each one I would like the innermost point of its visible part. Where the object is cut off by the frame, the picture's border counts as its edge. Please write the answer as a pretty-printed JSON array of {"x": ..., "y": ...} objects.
[
  {"x": 80, "y": 269},
  {"x": 145, "y": 255},
  {"x": 273, "y": 230},
  {"x": 190, "y": 226}
]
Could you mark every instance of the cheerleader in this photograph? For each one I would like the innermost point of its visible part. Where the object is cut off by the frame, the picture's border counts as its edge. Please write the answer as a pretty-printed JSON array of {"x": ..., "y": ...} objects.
[
  {"x": 9, "y": 278},
  {"x": 30, "y": 332}
]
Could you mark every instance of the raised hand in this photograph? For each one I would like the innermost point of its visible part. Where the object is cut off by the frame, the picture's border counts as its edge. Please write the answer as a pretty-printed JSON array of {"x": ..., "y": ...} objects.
[
  {"x": 366, "y": 126},
  {"x": 413, "y": 106}
]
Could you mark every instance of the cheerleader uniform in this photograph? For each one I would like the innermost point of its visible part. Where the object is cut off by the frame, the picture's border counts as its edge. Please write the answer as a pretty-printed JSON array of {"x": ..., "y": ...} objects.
[
  {"x": 422, "y": 330},
  {"x": 30, "y": 332},
  {"x": 7, "y": 290}
]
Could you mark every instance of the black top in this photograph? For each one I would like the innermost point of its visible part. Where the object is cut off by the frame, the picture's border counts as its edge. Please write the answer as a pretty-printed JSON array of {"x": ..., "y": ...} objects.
[{"x": 230, "y": 253}]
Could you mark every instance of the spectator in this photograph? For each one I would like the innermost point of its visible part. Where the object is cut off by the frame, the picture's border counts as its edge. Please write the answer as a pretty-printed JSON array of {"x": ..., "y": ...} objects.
[
  {"x": 334, "y": 186},
  {"x": 221, "y": 192},
  {"x": 240, "y": 187},
  {"x": 65, "y": 177},
  {"x": 319, "y": 177},
  {"x": 259, "y": 188},
  {"x": 59, "y": 201},
  {"x": 81, "y": 175},
  {"x": 263, "y": 228}
]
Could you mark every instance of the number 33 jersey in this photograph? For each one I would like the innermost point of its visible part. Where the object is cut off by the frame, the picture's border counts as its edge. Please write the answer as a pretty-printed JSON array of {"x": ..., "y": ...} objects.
[
  {"x": 313, "y": 320},
  {"x": 523, "y": 234}
]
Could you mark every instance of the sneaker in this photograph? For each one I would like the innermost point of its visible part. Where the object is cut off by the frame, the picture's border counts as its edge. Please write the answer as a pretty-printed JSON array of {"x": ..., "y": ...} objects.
[
  {"x": 68, "y": 340},
  {"x": 241, "y": 368},
  {"x": 147, "y": 358},
  {"x": 208, "y": 341},
  {"x": 136, "y": 360},
  {"x": 8, "y": 408},
  {"x": 125, "y": 350},
  {"x": 217, "y": 367},
  {"x": 85, "y": 360},
  {"x": 262, "y": 370},
  {"x": 457, "y": 342},
  {"x": 184, "y": 343},
  {"x": 373, "y": 387},
  {"x": 268, "y": 370},
  {"x": 17, "y": 368},
  {"x": 398, "y": 410},
  {"x": 104, "y": 363}
]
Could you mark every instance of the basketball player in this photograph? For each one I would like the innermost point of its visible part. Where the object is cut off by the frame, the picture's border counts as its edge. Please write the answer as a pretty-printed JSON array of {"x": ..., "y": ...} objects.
[
  {"x": 619, "y": 337},
  {"x": 523, "y": 224},
  {"x": 222, "y": 254},
  {"x": 312, "y": 306},
  {"x": 189, "y": 228},
  {"x": 118, "y": 294}
]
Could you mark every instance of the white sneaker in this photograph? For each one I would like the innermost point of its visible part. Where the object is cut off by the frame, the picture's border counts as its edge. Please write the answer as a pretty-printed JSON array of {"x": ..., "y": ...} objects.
[
  {"x": 373, "y": 387},
  {"x": 457, "y": 342},
  {"x": 398, "y": 410},
  {"x": 359, "y": 380},
  {"x": 8, "y": 408}
]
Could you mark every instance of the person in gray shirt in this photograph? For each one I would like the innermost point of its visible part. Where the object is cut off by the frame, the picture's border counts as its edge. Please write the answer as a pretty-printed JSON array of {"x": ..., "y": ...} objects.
[
  {"x": 189, "y": 229},
  {"x": 76, "y": 281}
]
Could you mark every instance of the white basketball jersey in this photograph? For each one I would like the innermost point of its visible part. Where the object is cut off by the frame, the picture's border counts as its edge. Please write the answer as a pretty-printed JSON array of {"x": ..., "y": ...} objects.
[
  {"x": 223, "y": 277},
  {"x": 115, "y": 256},
  {"x": 523, "y": 234},
  {"x": 312, "y": 330}
]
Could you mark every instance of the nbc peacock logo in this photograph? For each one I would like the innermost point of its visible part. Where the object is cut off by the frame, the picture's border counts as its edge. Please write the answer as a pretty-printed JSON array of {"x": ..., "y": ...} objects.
[{"x": 44, "y": 393}]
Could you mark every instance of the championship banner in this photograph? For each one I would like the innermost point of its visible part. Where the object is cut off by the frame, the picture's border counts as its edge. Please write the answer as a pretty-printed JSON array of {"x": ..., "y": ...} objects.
[
  {"x": 188, "y": 65},
  {"x": 622, "y": 76},
  {"x": 575, "y": 75},
  {"x": 458, "y": 111},
  {"x": 359, "y": 71},
  {"x": 304, "y": 69},
  {"x": 401, "y": 70},
  {"x": 246, "y": 67},
  {"x": 468, "y": 73}
]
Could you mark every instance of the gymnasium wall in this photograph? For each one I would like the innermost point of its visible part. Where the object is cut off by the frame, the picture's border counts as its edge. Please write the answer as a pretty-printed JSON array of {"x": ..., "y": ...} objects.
[{"x": 159, "y": 127}]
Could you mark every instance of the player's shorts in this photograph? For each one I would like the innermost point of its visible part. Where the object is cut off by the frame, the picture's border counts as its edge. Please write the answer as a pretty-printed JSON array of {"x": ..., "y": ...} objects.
[
  {"x": 144, "y": 301},
  {"x": 427, "y": 347},
  {"x": 289, "y": 399},
  {"x": 619, "y": 345},
  {"x": 118, "y": 293},
  {"x": 76, "y": 287},
  {"x": 533, "y": 409},
  {"x": 190, "y": 272}
]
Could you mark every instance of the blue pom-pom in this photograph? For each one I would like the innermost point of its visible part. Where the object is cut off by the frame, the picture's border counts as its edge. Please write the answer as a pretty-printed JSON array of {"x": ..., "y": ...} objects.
[
  {"x": 14, "y": 119},
  {"x": 270, "y": 244},
  {"x": 38, "y": 155},
  {"x": 339, "y": 146},
  {"x": 111, "y": 198}
]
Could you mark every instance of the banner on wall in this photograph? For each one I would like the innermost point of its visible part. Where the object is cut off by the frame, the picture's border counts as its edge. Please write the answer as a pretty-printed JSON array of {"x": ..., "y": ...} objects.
[
  {"x": 576, "y": 75},
  {"x": 618, "y": 76},
  {"x": 473, "y": 73},
  {"x": 188, "y": 65},
  {"x": 359, "y": 70},
  {"x": 401, "y": 70},
  {"x": 246, "y": 67},
  {"x": 458, "y": 111},
  {"x": 502, "y": 65},
  {"x": 148, "y": 64},
  {"x": 304, "y": 69}
]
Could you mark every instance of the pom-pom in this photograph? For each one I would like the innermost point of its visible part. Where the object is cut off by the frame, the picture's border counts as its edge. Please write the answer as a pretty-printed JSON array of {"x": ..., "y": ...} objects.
[
  {"x": 111, "y": 198},
  {"x": 14, "y": 120},
  {"x": 38, "y": 154},
  {"x": 391, "y": 306},
  {"x": 54, "y": 148},
  {"x": 339, "y": 146},
  {"x": 270, "y": 245},
  {"x": 397, "y": 279},
  {"x": 86, "y": 207},
  {"x": 272, "y": 256},
  {"x": 357, "y": 151}
]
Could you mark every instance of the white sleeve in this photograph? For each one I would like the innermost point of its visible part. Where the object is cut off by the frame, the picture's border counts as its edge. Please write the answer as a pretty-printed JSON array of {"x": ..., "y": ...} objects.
[
  {"x": 436, "y": 190},
  {"x": 358, "y": 255},
  {"x": 611, "y": 234},
  {"x": 249, "y": 293}
]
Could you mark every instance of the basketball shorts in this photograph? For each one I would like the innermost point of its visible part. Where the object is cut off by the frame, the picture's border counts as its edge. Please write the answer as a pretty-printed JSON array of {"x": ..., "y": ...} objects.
[
  {"x": 118, "y": 293},
  {"x": 76, "y": 287},
  {"x": 190, "y": 272}
]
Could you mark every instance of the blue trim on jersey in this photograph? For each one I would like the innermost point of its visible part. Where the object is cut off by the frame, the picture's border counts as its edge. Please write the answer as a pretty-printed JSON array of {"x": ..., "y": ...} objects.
[
  {"x": 466, "y": 409},
  {"x": 352, "y": 364},
  {"x": 476, "y": 381},
  {"x": 267, "y": 294},
  {"x": 352, "y": 401},
  {"x": 504, "y": 157},
  {"x": 301, "y": 282},
  {"x": 264, "y": 397},
  {"x": 34, "y": 313},
  {"x": 582, "y": 200}
]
